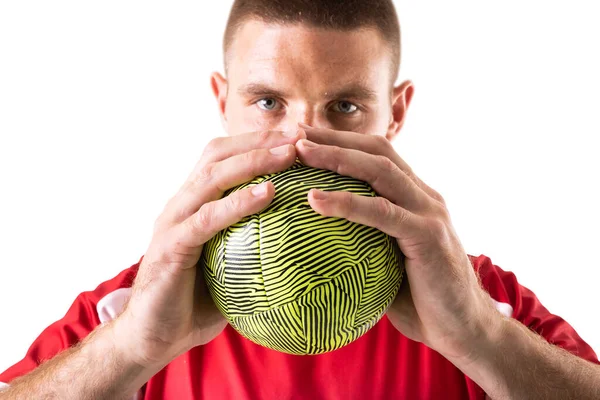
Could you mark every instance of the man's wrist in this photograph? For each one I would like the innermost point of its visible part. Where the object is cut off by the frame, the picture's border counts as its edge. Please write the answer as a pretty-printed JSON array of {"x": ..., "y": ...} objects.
[
  {"x": 112, "y": 341},
  {"x": 483, "y": 343},
  {"x": 98, "y": 367},
  {"x": 480, "y": 362},
  {"x": 508, "y": 360},
  {"x": 134, "y": 351},
  {"x": 128, "y": 347},
  {"x": 481, "y": 331}
]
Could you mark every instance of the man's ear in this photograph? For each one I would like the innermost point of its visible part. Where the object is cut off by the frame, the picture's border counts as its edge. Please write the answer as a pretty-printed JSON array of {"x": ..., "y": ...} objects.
[
  {"x": 219, "y": 87},
  {"x": 401, "y": 97}
]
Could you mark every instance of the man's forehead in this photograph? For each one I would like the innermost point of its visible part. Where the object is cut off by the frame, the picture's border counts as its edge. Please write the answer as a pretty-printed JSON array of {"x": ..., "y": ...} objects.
[{"x": 301, "y": 52}]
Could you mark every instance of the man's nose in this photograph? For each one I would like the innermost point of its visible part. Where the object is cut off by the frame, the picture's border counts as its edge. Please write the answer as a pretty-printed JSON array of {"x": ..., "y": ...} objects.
[{"x": 309, "y": 118}]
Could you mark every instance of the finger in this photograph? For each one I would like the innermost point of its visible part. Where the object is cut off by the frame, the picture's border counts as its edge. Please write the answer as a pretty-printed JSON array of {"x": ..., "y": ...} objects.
[
  {"x": 373, "y": 144},
  {"x": 217, "y": 150},
  {"x": 385, "y": 177},
  {"x": 220, "y": 176},
  {"x": 217, "y": 215},
  {"x": 377, "y": 212},
  {"x": 223, "y": 147}
]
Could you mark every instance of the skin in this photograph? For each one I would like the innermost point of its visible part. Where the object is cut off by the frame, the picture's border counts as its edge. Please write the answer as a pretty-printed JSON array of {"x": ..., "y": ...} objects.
[
  {"x": 351, "y": 133},
  {"x": 268, "y": 62},
  {"x": 442, "y": 304}
]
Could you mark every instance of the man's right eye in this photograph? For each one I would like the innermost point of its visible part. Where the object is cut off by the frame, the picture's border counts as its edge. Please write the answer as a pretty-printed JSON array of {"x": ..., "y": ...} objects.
[{"x": 267, "y": 104}]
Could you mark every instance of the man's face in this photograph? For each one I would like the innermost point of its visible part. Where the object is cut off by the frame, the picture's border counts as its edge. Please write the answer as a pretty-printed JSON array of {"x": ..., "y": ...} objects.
[{"x": 279, "y": 75}]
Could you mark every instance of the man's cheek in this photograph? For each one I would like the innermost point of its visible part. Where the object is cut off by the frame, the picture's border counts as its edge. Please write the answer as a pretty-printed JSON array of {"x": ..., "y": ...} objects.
[
  {"x": 252, "y": 119},
  {"x": 240, "y": 119}
]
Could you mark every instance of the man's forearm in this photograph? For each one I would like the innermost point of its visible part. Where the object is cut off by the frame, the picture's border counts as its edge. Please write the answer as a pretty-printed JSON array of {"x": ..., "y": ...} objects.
[
  {"x": 94, "y": 369},
  {"x": 512, "y": 362}
]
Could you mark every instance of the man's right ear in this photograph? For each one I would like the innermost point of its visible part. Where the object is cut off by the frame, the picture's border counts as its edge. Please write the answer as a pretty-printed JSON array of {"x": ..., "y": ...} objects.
[{"x": 219, "y": 87}]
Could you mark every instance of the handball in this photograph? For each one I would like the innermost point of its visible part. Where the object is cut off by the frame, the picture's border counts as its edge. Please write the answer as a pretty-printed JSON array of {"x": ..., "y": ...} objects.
[{"x": 295, "y": 281}]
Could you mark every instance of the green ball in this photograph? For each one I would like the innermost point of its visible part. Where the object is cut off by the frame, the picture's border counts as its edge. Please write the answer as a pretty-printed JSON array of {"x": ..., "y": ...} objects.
[{"x": 298, "y": 282}]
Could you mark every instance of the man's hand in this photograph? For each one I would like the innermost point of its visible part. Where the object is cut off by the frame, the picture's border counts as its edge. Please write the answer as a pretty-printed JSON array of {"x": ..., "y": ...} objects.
[
  {"x": 170, "y": 310},
  {"x": 441, "y": 302}
]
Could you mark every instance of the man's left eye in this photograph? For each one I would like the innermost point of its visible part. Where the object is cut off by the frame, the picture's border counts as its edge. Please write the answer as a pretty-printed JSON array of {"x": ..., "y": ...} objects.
[{"x": 345, "y": 107}]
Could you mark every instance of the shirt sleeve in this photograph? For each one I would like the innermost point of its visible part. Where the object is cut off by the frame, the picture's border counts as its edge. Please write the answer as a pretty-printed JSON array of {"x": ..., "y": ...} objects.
[
  {"x": 523, "y": 305},
  {"x": 80, "y": 320}
]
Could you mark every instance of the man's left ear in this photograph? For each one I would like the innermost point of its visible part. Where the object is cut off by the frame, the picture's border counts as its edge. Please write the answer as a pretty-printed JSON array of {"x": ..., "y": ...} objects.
[
  {"x": 401, "y": 97},
  {"x": 218, "y": 83}
]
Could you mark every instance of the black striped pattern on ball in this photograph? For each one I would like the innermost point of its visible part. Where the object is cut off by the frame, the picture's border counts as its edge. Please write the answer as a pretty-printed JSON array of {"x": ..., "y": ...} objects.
[{"x": 298, "y": 282}]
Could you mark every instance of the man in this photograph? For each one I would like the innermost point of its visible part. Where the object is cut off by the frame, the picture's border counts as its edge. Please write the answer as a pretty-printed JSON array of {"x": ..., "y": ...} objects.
[{"x": 460, "y": 327}]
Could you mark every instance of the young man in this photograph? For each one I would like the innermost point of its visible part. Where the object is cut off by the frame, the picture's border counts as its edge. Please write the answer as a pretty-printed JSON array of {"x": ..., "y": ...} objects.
[{"x": 460, "y": 327}]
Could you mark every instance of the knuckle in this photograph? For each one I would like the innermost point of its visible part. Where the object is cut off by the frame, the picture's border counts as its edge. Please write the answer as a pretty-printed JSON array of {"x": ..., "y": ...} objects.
[
  {"x": 431, "y": 192},
  {"x": 263, "y": 136},
  {"x": 214, "y": 146},
  {"x": 386, "y": 164},
  {"x": 204, "y": 219},
  {"x": 438, "y": 197},
  {"x": 344, "y": 204},
  {"x": 438, "y": 207},
  {"x": 347, "y": 201},
  {"x": 205, "y": 173},
  {"x": 182, "y": 212},
  {"x": 252, "y": 160},
  {"x": 381, "y": 143},
  {"x": 438, "y": 230},
  {"x": 411, "y": 174},
  {"x": 336, "y": 157},
  {"x": 233, "y": 204},
  {"x": 439, "y": 211},
  {"x": 383, "y": 207}
]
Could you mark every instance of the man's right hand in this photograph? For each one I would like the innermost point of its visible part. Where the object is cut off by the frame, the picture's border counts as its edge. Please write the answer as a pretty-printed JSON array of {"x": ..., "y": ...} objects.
[{"x": 170, "y": 310}]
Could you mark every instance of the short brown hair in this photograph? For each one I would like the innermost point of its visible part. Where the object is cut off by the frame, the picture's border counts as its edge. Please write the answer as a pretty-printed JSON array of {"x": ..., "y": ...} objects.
[{"x": 341, "y": 15}]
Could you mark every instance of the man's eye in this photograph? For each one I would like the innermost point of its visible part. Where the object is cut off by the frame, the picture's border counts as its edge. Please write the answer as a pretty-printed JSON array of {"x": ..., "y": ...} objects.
[
  {"x": 267, "y": 104},
  {"x": 345, "y": 107}
]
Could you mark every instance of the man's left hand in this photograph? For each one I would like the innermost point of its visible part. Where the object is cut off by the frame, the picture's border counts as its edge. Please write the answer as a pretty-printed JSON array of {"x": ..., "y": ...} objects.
[{"x": 442, "y": 303}]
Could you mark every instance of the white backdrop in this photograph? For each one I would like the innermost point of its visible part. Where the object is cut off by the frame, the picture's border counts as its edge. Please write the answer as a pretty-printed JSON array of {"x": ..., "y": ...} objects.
[{"x": 106, "y": 106}]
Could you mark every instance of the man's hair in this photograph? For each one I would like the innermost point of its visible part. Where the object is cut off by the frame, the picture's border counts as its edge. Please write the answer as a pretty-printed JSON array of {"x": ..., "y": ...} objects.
[{"x": 343, "y": 15}]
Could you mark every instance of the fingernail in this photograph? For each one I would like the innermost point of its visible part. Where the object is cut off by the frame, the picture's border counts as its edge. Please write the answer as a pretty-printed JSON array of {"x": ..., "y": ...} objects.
[
  {"x": 259, "y": 189},
  {"x": 280, "y": 151},
  {"x": 302, "y": 124},
  {"x": 308, "y": 143},
  {"x": 290, "y": 133},
  {"x": 319, "y": 194}
]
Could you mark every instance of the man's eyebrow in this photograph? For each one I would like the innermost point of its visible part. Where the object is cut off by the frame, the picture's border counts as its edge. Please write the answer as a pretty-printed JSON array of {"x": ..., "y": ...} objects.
[
  {"x": 352, "y": 91},
  {"x": 259, "y": 89}
]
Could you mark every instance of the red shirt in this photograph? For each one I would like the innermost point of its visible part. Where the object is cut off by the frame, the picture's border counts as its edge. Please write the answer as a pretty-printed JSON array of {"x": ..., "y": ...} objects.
[{"x": 382, "y": 364}]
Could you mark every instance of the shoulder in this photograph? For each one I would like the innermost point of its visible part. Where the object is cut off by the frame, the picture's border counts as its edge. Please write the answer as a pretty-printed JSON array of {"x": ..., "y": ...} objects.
[
  {"x": 519, "y": 302},
  {"x": 88, "y": 310}
]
